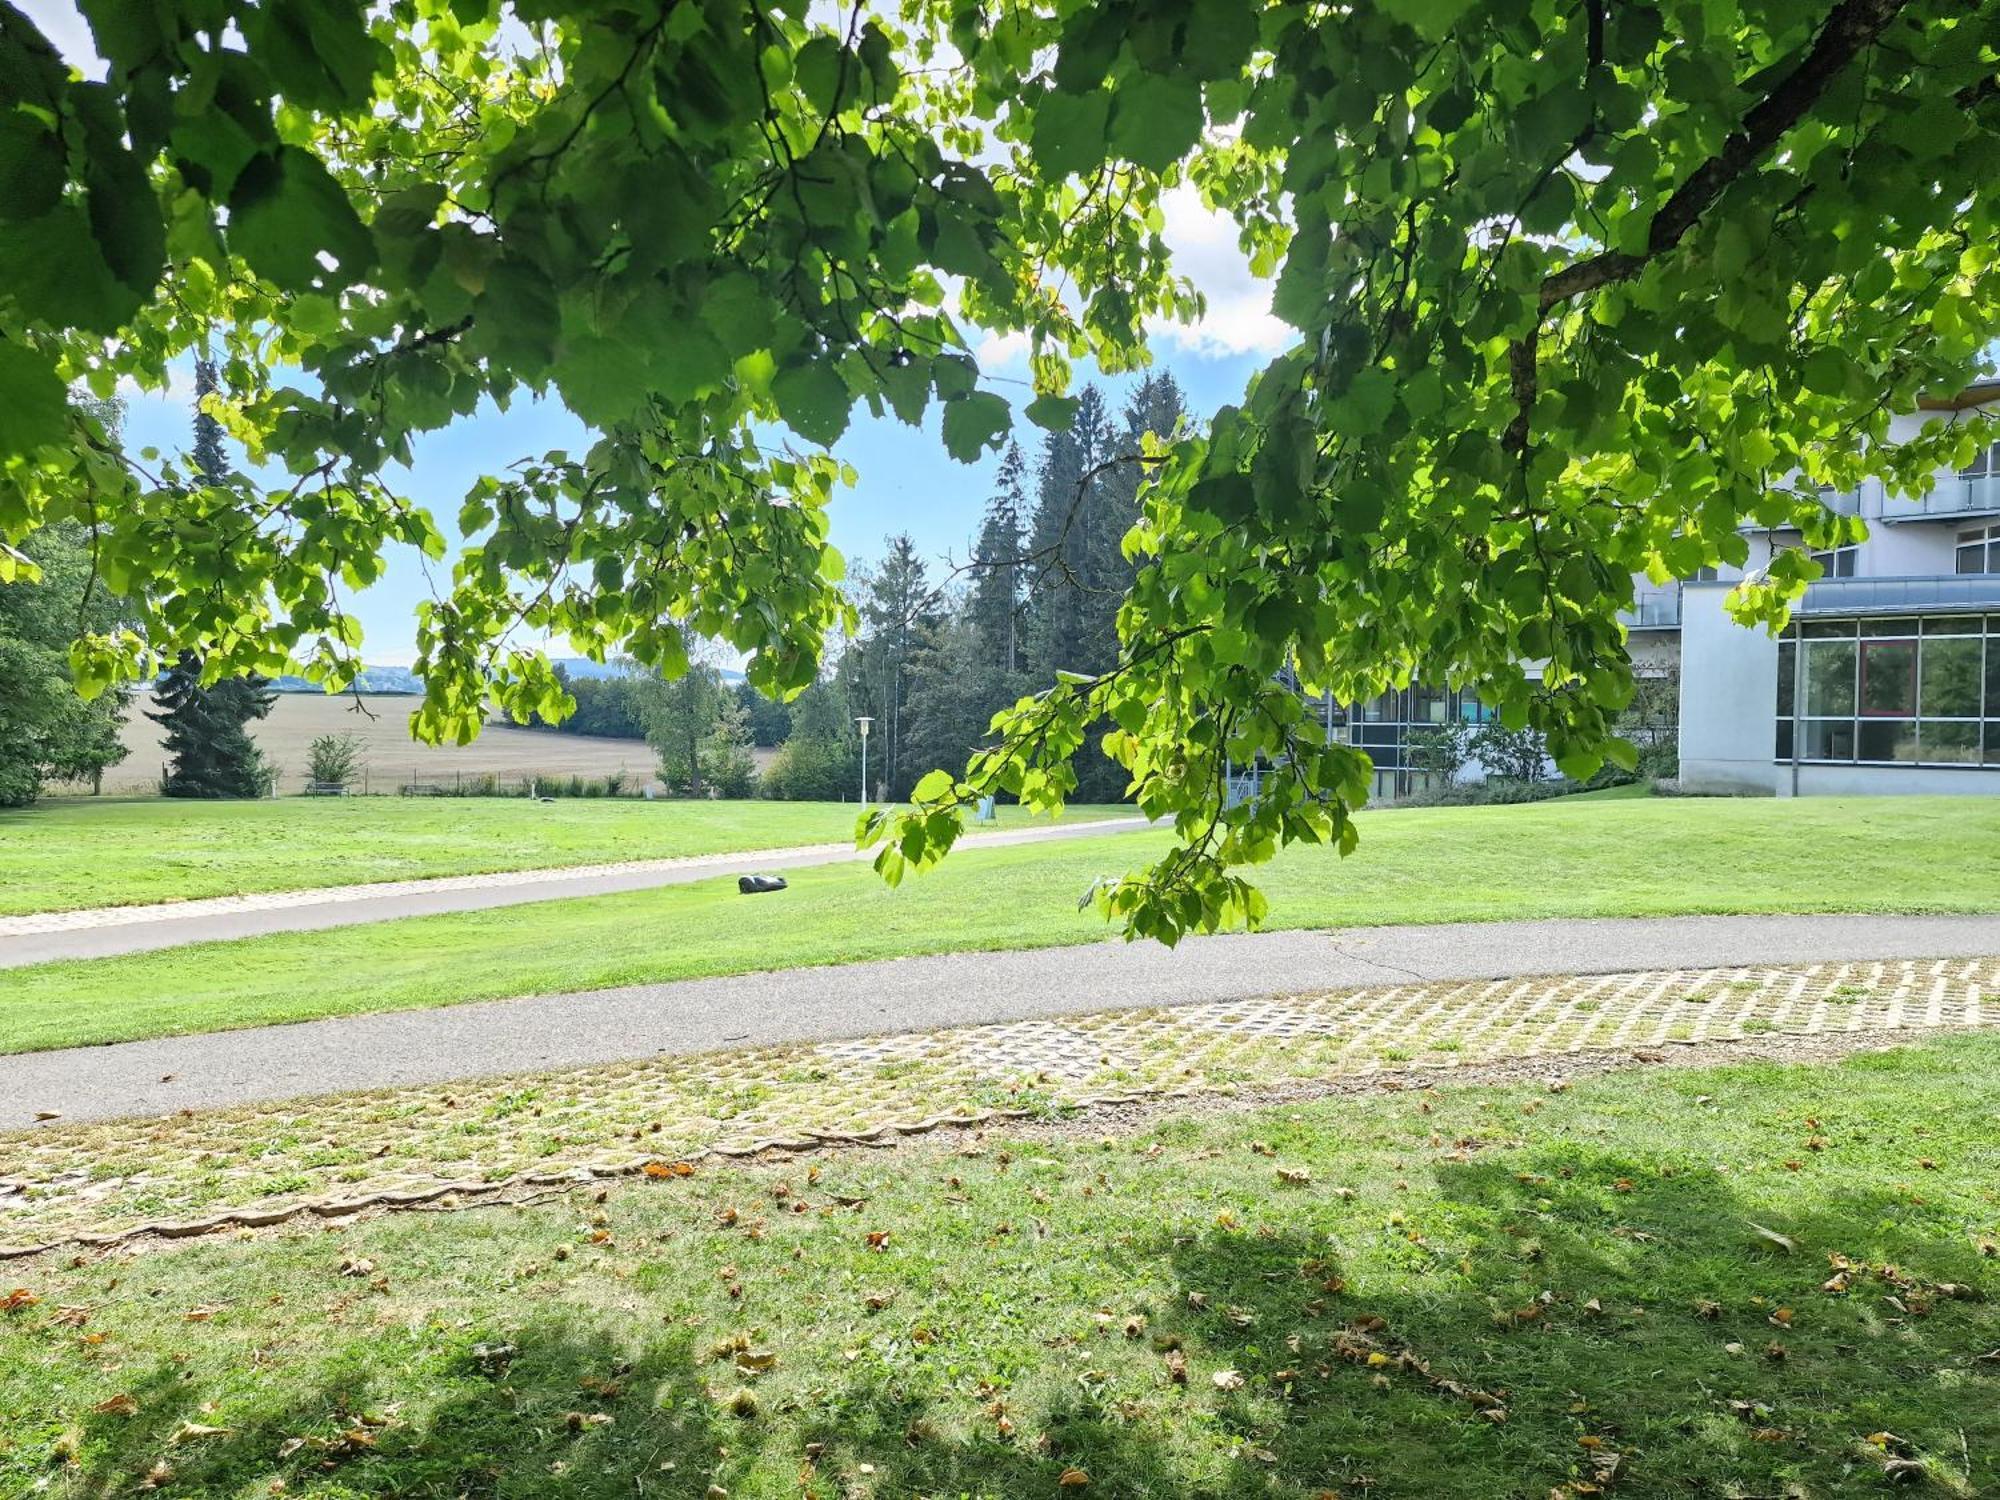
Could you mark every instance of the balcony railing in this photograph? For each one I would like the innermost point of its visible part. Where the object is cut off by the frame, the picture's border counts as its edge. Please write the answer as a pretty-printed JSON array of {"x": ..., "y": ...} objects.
[
  {"x": 1901, "y": 596},
  {"x": 1952, "y": 499},
  {"x": 1653, "y": 609}
]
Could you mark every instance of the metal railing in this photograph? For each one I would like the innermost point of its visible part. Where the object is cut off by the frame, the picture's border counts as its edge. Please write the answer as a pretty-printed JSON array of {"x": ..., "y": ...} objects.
[
  {"x": 1953, "y": 497},
  {"x": 1896, "y": 596}
]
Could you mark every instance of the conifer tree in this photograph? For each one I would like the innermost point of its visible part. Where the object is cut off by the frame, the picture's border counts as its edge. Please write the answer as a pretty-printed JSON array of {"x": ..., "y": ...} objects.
[
  {"x": 993, "y": 606},
  {"x": 209, "y": 746},
  {"x": 210, "y": 750}
]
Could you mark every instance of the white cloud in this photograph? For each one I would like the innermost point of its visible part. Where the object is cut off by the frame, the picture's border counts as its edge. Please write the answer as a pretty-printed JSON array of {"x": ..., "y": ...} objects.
[
  {"x": 998, "y": 352},
  {"x": 1205, "y": 250}
]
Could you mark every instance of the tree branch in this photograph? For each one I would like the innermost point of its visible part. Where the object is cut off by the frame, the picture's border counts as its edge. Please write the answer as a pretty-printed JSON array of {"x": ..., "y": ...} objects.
[{"x": 1851, "y": 27}]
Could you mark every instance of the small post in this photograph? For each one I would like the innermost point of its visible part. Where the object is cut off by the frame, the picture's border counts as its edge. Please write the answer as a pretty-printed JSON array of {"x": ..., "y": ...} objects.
[{"x": 864, "y": 721}]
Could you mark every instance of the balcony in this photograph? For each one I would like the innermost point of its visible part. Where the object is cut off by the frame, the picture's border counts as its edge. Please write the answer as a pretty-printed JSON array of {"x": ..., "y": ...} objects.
[
  {"x": 1936, "y": 594},
  {"x": 1955, "y": 499},
  {"x": 1653, "y": 609},
  {"x": 1840, "y": 502}
]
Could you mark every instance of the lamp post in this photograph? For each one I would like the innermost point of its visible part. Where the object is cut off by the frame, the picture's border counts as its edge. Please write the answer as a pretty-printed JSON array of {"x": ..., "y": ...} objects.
[{"x": 864, "y": 721}]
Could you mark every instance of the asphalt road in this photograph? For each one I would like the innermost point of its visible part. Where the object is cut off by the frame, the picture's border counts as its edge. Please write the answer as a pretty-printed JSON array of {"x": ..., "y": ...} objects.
[
  {"x": 139, "y": 929},
  {"x": 561, "y": 1031}
]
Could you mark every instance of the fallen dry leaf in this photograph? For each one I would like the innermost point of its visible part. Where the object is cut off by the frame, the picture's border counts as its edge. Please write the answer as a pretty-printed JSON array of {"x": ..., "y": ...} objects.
[
  {"x": 1771, "y": 1237},
  {"x": 120, "y": 1405},
  {"x": 1227, "y": 1380},
  {"x": 1072, "y": 1479}
]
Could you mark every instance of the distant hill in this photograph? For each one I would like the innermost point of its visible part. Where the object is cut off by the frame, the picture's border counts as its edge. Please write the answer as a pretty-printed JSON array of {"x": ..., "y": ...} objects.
[
  {"x": 403, "y": 680},
  {"x": 371, "y": 680}
]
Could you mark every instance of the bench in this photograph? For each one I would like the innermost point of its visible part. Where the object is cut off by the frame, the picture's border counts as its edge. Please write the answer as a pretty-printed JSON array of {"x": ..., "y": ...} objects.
[
  {"x": 326, "y": 789},
  {"x": 422, "y": 789}
]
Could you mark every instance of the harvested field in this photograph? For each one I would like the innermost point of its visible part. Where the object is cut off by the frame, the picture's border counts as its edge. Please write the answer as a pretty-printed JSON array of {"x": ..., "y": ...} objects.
[{"x": 391, "y": 757}]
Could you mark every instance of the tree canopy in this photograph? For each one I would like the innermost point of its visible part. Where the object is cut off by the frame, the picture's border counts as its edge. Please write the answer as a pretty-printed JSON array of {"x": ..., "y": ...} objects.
[{"x": 1580, "y": 288}]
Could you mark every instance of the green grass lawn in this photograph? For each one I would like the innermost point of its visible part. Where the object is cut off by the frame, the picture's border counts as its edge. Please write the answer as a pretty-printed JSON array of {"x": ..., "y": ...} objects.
[
  {"x": 64, "y": 855},
  {"x": 1762, "y": 1280},
  {"x": 1621, "y": 858}
]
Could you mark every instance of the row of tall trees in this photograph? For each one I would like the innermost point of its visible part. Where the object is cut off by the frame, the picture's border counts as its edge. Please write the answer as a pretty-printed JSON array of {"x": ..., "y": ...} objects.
[
  {"x": 940, "y": 649},
  {"x": 937, "y": 657}
]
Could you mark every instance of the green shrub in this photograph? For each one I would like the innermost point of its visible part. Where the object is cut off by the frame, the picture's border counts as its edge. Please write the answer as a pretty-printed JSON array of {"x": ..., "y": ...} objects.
[{"x": 812, "y": 770}]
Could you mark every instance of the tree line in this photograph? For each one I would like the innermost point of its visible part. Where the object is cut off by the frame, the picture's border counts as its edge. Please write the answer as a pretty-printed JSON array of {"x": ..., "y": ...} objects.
[{"x": 940, "y": 649}]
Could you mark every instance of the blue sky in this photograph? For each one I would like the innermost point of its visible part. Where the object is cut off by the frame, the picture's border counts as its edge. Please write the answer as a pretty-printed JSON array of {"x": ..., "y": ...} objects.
[{"x": 907, "y": 481}]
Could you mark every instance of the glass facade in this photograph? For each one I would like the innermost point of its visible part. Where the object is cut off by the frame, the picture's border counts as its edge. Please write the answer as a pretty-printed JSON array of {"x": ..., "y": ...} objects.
[
  {"x": 1897, "y": 691},
  {"x": 1382, "y": 725}
]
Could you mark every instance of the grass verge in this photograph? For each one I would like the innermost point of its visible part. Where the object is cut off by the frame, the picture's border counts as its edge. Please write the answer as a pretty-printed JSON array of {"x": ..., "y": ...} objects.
[
  {"x": 61, "y": 856},
  {"x": 1763, "y": 1279},
  {"x": 1600, "y": 859}
]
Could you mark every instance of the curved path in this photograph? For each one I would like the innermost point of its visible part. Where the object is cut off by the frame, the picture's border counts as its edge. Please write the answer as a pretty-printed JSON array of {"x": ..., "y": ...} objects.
[
  {"x": 910, "y": 994},
  {"x": 105, "y": 931}
]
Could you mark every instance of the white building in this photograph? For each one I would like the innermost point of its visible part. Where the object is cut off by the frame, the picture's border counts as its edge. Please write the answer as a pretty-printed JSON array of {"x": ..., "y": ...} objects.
[{"x": 1888, "y": 679}]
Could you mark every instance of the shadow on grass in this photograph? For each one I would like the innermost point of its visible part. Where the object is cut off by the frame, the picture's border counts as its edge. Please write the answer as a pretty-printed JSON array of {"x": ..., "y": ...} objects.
[
  {"x": 1666, "y": 1333},
  {"x": 552, "y": 1411},
  {"x": 1482, "y": 1371}
]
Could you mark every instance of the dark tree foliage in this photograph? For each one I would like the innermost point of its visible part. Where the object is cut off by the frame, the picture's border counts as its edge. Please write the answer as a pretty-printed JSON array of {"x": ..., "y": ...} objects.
[
  {"x": 994, "y": 605},
  {"x": 1069, "y": 484},
  {"x": 821, "y": 761},
  {"x": 769, "y": 720},
  {"x": 48, "y": 732},
  {"x": 210, "y": 752},
  {"x": 605, "y": 706},
  {"x": 210, "y": 461},
  {"x": 899, "y": 612}
]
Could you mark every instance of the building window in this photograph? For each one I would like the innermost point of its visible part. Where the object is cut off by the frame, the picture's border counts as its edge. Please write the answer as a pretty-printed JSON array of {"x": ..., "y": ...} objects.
[
  {"x": 1708, "y": 575},
  {"x": 1986, "y": 461},
  {"x": 1979, "y": 550},
  {"x": 1895, "y": 691},
  {"x": 1838, "y": 563}
]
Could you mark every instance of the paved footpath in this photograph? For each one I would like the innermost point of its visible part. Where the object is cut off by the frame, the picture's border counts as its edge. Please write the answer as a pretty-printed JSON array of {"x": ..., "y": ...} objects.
[
  {"x": 913, "y": 994},
  {"x": 102, "y": 932}
]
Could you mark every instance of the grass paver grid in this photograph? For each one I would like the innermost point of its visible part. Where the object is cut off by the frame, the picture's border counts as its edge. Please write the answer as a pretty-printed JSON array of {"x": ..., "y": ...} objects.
[{"x": 59, "y": 1181}]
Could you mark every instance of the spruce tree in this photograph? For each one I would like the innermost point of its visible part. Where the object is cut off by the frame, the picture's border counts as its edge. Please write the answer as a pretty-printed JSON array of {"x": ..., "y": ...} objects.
[
  {"x": 212, "y": 754},
  {"x": 899, "y": 613},
  {"x": 1065, "y": 491},
  {"x": 209, "y": 459},
  {"x": 210, "y": 749},
  {"x": 993, "y": 606}
]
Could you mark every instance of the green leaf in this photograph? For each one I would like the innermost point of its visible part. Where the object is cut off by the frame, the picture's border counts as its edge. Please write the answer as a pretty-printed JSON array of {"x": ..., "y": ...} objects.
[
  {"x": 32, "y": 400},
  {"x": 602, "y": 379},
  {"x": 934, "y": 787},
  {"x": 32, "y": 172},
  {"x": 1431, "y": 19},
  {"x": 975, "y": 422},
  {"x": 818, "y": 70},
  {"x": 1053, "y": 413},
  {"x": 318, "y": 52},
  {"x": 284, "y": 211},
  {"x": 1156, "y": 120},
  {"x": 1361, "y": 411},
  {"x": 814, "y": 402},
  {"x": 1069, "y": 131}
]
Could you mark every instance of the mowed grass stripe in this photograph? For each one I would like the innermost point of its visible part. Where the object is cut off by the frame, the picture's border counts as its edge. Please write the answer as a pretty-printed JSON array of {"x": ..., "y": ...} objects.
[
  {"x": 1598, "y": 859},
  {"x": 62, "y": 856}
]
